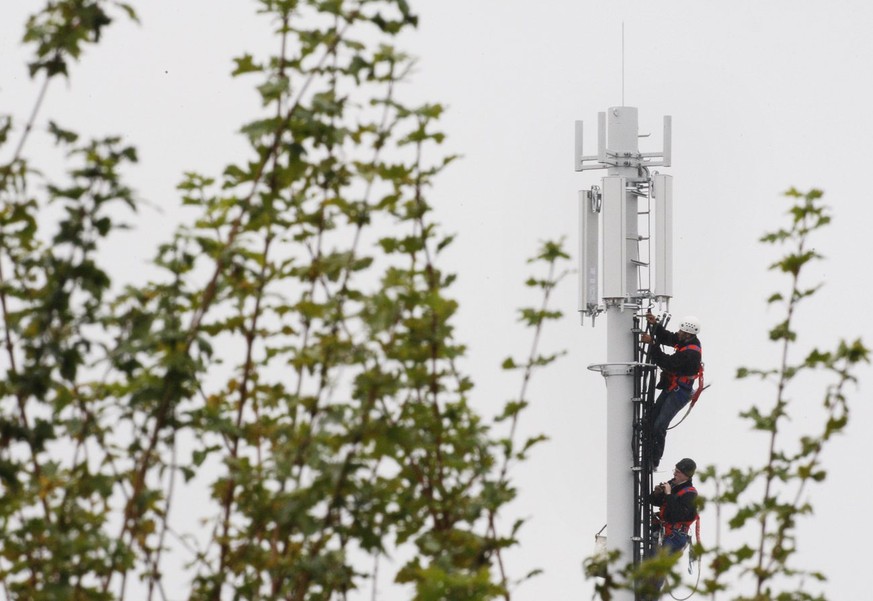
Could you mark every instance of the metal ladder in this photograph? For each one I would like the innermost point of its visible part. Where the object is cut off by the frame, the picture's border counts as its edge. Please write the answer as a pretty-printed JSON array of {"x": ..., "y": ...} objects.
[
  {"x": 643, "y": 191},
  {"x": 645, "y": 530}
]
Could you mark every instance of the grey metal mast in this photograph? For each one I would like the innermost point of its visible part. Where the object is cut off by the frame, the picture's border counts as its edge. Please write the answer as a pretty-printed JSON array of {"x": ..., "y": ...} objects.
[{"x": 617, "y": 266}]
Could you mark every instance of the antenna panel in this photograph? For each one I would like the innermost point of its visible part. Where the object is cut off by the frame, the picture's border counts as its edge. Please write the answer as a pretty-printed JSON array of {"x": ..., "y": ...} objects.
[
  {"x": 578, "y": 146},
  {"x": 615, "y": 259},
  {"x": 601, "y": 137},
  {"x": 589, "y": 254},
  {"x": 668, "y": 140},
  {"x": 663, "y": 194}
]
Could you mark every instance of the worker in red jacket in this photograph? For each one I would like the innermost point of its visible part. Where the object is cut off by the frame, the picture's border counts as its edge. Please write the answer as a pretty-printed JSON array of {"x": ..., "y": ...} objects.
[
  {"x": 678, "y": 372},
  {"x": 677, "y": 499}
]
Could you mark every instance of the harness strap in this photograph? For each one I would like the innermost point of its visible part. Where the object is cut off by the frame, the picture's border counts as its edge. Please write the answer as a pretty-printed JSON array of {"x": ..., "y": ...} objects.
[
  {"x": 688, "y": 381},
  {"x": 700, "y": 386},
  {"x": 683, "y": 527}
]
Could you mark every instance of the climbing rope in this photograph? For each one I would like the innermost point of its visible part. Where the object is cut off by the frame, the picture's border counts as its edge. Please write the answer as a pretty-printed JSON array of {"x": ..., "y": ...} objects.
[
  {"x": 693, "y": 589},
  {"x": 690, "y": 407},
  {"x": 691, "y": 560}
]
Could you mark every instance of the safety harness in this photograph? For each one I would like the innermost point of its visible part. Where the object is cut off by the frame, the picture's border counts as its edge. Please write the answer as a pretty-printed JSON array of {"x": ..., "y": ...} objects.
[
  {"x": 683, "y": 527},
  {"x": 688, "y": 381}
]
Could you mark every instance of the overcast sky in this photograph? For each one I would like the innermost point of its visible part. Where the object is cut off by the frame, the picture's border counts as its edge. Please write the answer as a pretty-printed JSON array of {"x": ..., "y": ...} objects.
[{"x": 763, "y": 96}]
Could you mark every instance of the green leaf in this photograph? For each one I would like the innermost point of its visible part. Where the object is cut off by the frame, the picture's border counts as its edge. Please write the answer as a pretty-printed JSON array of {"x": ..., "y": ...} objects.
[
  {"x": 61, "y": 135},
  {"x": 245, "y": 64}
]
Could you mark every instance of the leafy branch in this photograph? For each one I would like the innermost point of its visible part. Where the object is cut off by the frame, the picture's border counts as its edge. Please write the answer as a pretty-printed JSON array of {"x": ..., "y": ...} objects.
[
  {"x": 551, "y": 254},
  {"x": 782, "y": 480}
]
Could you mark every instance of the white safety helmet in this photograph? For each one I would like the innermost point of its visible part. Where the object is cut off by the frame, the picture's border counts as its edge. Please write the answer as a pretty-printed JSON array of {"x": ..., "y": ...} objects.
[{"x": 691, "y": 325}]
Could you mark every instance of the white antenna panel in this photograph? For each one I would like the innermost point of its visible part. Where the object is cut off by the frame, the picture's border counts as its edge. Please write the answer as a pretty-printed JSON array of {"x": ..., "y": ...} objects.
[
  {"x": 589, "y": 253},
  {"x": 663, "y": 194},
  {"x": 614, "y": 237},
  {"x": 668, "y": 141},
  {"x": 601, "y": 137},
  {"x": 578, "y": 146}
]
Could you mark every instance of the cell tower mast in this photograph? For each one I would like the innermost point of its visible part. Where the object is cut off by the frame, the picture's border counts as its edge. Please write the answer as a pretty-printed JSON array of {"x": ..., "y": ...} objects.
[{"x": 620, "y": 219}]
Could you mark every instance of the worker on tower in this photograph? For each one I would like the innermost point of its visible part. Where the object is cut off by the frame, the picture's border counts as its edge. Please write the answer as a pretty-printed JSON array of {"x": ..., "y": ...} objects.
[
  {"x": 678, "y": 372},
  {"x": 677, "y": 499}
]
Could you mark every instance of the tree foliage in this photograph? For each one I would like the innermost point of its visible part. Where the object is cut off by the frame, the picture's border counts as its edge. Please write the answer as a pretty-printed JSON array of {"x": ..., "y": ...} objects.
[
  {"x": 771, "y": 498},
  {"x": 294, "y": 360}
]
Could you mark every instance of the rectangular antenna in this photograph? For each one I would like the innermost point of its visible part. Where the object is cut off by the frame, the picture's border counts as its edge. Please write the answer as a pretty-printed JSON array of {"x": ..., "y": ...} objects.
[
  {"x": 601, "y": 137},
  {"x": 663, "y": 195},
  {"x": 614, "y": 237},
  {"x": 668, "y": 140},
  {"x": 578, "y": 145},
  {"x": 589, "y": 257}
]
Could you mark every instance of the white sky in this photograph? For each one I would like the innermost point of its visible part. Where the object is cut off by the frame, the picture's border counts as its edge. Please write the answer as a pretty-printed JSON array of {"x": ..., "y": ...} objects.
[{"x": 763, "y": 96}]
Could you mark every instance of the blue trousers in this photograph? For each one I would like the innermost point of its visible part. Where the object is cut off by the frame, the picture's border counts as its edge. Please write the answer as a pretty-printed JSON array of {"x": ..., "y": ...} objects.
[
  {"x": 675, "y": 542},
  {"x": 668, "y": 404}
]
